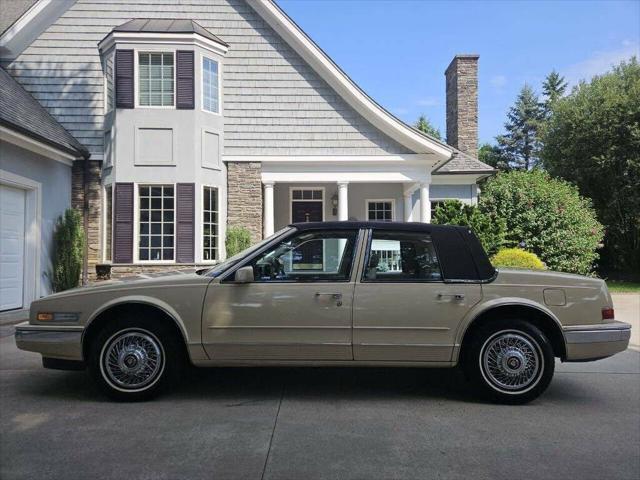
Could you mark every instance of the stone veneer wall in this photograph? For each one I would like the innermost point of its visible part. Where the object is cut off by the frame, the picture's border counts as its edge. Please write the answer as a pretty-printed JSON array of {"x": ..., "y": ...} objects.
[
  {"x": 462, "y": 104},
  {"x": 244, "y": 197},
  {"x": 94, "y": 206}
]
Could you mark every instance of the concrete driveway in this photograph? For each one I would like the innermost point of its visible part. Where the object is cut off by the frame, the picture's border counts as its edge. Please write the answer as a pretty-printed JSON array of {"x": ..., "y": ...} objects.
[{"x": 319, "y": 423}]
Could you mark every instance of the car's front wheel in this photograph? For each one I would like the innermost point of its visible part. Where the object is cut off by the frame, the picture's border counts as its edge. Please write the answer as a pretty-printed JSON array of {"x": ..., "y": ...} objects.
[
  {"x": 510, "y": 361},
  {"x": 134, "y": 360}
]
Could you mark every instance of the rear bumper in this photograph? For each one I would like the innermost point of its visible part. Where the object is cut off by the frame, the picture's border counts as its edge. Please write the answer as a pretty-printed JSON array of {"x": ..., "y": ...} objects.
[
  {"x": 591, "y": 342},
  {"x": 61, "y": 342}
]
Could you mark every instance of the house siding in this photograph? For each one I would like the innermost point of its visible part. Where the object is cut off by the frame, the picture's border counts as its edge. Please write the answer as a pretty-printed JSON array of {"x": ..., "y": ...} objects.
[{"x": 273, "y": 104}]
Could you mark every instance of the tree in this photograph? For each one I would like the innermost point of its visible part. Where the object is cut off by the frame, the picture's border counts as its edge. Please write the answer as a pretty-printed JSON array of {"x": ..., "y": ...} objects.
[
  {"x": 553, "y": 89},
  {"x": 424, "y": 125},
  {"x": 238, "y": 239},
  {"x": 492, "y": 155},
  {"x": 68, "y": 244},
  {"x": 546, "y": 216},
  {"x": 520, "y": 145},
  {"x": 593, "y": 141},
  {"x": 489, "y": 229}
]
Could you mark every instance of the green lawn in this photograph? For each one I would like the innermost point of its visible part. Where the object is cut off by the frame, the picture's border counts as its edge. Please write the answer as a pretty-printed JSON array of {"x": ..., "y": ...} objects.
[{"x": 623, "y": 287}]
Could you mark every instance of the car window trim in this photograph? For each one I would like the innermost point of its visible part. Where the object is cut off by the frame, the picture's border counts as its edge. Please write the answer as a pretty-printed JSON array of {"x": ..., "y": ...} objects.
[
  {"x": 295, "y": 231},
  {"x": 368, "y": 254}
]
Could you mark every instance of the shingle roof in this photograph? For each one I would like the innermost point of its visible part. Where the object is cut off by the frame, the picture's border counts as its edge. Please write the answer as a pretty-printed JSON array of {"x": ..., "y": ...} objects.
[
  {"x": 21, "y": 112},
  {"x": 463, "y": 163},
  {"x": 161, "y": 25},
  {"x": 12, "y": 11}
]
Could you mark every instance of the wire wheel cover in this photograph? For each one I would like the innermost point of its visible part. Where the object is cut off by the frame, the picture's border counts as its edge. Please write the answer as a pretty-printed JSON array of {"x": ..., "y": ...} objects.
[
  {"x": 511, "y": 361},
  {"x": 132, "y": 359}
]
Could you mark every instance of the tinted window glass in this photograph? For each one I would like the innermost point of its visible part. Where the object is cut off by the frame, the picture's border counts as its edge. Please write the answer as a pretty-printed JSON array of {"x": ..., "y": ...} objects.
[
  {"x": 308, "y": 256},
  {"x": 402, "y": 257}
]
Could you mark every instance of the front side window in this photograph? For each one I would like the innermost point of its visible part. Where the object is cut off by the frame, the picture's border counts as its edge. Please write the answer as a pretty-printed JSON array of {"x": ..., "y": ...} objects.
[
  {"x": 308, "y": 256},
  {"x": 155, "y": 79},
  {"x": 210, "y": 85},
  {"x": 156, "y": 224},
  {"x": 210, "y": 224},
  {"x": 380, "y": 210},
  {"x": 402, "y": 257}
]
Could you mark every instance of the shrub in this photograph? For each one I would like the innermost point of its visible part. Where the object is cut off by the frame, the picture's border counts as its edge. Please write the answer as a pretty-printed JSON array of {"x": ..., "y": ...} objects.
[
  {"x": 489, "y": 229},
  {"x": 517, "y": 258},
  {"x": 546, "y": 216},
  {"x": 68, "y": 244},
  {"x": 238, "y": 239}
]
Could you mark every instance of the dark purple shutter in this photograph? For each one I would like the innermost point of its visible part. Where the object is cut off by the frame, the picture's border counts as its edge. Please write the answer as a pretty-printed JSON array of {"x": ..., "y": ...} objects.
[
  {"x": 185, "y": 216},
  {"x": 184, "y": 80},
  {"x": 124, "y": 79},
  {"x": 123, "y": 223}
]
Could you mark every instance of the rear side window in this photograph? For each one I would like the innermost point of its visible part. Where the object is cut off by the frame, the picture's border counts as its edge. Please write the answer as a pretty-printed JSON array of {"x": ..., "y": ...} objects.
[{"x": 402, "y": 257}]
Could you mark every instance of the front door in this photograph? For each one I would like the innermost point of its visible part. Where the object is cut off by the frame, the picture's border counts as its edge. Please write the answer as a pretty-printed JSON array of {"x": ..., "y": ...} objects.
[
  {"x": 298, "y": 308},
  {"x": 403, "y": 310}
]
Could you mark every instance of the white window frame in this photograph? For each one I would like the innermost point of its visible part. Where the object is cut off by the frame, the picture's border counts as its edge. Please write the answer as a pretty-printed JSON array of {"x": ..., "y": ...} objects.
[
  {"x": 219, "y": 249},
  {"x": 378, "y": 200},
  {"x": 105, "y": 57},
  {"x": 136, "y": 78},
  {"x": 307, "y": 188},
  {"x": 136, "y": 222},
  {"x": 202, "y": 58}
]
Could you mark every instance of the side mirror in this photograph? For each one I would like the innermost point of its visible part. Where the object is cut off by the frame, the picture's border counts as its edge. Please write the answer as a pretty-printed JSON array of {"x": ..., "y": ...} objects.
[{"x": 244, "y": 275}]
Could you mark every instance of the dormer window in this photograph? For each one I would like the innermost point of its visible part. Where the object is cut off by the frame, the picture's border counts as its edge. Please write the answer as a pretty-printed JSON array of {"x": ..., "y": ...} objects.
[
  {"x": 156, "y": 79},
  {"x": 210, "y": 87}
]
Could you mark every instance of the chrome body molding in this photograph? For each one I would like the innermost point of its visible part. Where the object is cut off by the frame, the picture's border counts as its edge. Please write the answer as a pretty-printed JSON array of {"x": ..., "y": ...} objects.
[
  {"x": 60, "y": 341},
  {"x": 590, "y": 342}
]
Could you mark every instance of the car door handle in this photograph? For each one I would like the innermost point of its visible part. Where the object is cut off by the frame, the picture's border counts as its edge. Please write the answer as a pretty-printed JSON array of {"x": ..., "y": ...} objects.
[
  {"x": 456, "y": 296},
  {"x": 336, "y": 296}
]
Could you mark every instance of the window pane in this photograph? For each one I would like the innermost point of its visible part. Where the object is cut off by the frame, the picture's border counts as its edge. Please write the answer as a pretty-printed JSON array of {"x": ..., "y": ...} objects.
[
  {"x": 402, "y": 257},
  {"x": 308, "y": 257},
  {"x": 155, "y": 79},
  {"x": 156, "y": 237},
  {"x": 210, "y": 85},
  {"x": 209, "y": 224}
]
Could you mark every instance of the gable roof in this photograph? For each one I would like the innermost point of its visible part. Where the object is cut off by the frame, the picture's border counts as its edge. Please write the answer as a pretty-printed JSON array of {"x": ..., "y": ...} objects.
[
  {"x": 158, "y": 25},
  {"x": 20, "y": 112}
]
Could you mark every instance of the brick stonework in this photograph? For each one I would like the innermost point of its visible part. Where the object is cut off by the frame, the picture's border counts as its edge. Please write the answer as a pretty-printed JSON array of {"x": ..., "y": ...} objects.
[
  {"x": 94, "y": 197},
  {"x": 462, "y": 104},
  {"x": 244, "y": 197}
]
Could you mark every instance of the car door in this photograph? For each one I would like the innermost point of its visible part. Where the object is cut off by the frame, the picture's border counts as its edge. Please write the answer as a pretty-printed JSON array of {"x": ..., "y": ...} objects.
[
  {"x": 299, "y": 306},
  {"x": 403, "y": 309}
]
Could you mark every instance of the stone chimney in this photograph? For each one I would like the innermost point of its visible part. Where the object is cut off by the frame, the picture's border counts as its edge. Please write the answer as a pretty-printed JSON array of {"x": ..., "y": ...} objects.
[{"x": 462, "y": 103}]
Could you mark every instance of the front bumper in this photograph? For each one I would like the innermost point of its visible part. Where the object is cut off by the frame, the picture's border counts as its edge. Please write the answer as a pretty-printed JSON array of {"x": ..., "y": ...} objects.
[
  {"x": 591, "y": 342},
  {"x": 52, "y": 341}
]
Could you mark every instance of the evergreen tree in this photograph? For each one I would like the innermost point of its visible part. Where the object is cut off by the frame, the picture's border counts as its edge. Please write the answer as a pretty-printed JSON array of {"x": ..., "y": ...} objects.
[
  {"x": 520, "y": 145},
  {"x": 553, "y": 88},
  {"x": 424, "y": 125},
  {"x": 492, "y": 155}
]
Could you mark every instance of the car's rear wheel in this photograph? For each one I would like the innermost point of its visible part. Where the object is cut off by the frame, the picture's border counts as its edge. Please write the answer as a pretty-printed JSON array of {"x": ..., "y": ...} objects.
[
  {"x": 510, "y": 361},
  {"x": 135, "y": 359}
]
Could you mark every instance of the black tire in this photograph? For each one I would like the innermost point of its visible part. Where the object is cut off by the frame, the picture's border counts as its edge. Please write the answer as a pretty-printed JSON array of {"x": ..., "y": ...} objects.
[
  {"x": 509, "y": 361},
  {"x": 154, "y": 351}
]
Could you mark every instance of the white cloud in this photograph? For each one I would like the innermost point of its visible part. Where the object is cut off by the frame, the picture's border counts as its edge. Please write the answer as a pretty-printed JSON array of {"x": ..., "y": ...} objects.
[
  {"x": 600, "y": 62},
  {"x": 498, "y": 81},
  {"x": 429, "y": 102}
]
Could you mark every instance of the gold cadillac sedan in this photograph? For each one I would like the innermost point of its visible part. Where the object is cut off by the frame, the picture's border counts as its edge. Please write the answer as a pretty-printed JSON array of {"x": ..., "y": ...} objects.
[{"x": 334, "y": 294}]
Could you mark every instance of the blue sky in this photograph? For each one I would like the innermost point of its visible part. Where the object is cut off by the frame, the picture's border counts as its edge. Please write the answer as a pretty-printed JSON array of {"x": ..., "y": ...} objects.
[{"x": 397, "y": 51}]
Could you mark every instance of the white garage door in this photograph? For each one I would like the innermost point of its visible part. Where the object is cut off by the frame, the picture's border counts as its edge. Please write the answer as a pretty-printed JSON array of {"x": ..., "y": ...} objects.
[{"x": 12, "y": 209}]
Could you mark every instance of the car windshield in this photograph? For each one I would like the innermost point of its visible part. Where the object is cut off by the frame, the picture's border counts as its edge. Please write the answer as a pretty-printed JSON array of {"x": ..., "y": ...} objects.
[{"x": 229, "y": 262}]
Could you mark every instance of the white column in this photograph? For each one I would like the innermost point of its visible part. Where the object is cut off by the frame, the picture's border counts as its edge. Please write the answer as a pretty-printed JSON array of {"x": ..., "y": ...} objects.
[
  {"x": 408, "y": 206},
  {"x": 425, "y": 203},
  {"x": 343, "y": 201},
  {"x": 267, "y": 208}
]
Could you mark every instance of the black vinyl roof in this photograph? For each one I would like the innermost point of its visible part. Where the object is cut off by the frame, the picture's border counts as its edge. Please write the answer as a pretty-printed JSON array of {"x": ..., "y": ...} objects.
[
  {"x": 161, "y": 25},
  {"x": 400, "y": 226},
  {"x": 21, "y": 112}
]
